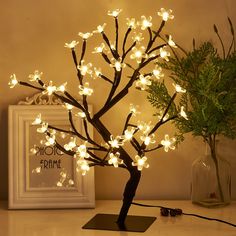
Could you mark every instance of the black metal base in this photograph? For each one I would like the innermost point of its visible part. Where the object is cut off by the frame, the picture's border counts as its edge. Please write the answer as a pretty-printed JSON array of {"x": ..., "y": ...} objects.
[{"x": 108, "y": 222}]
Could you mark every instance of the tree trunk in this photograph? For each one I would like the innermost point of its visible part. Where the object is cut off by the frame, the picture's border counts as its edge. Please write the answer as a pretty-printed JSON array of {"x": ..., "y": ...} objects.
[{"x": 129, "y": 193}]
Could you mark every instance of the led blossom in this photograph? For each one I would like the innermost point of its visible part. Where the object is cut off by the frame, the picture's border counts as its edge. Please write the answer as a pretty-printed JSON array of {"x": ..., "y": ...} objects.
[
  {"x": 178, "y": 88},
  {"x": 148, "y": 139},
  {"x": 85, "y": 68},
  {"x": 97, "y": 72},
  {"x": 165, "y": 14},
  {"x": 145, "y": 22},
  {"x": 114, "y": 13},
  {"x": 69, "y": 106},
  {"x": 85, "y": 36},
  {"x": 35, "y": 76},
  {"x": 99, "y": 49},
  {"x": 82, "y": 166},
  {"x": 171, "y": 42},
  {"x": 115, "y": 142},
  {"x": 82, "y": 150},
  {"x": 183, "y": 113},
  {"x": 131, "y": 23},
  {"x": 157, "y": 72},
  {"x": 62, "y": 88},
  {"x": 137, "y": 37},
  {"x": 100, "y": 28},
  {"x": 144, "y": 127},
  {"x": 143, "y": 82},
  {"x": 50, "y": 140},
  {"x": 85, "y": 90},
  {"x": 140, "y": 162},
  {"x": 164, "y": 53},
  {"x": 50, "y": 89},
  {"x": 71, "y": 45},
  {"x": 72, "y": 144},
  {"x": 114, "y": 159},
  {"x": 43, "y": 129},
  {"x": 37, "y": 120},
  {"x": 13, "y": 82},
  {"x": 134, "y": 109},
  {"x": 168, "y": 143},
  {"x": 128, "y": 135},
  {"x": 117, "y": 64}
]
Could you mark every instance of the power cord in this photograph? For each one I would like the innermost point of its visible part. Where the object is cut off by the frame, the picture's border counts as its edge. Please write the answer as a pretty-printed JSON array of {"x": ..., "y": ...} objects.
[{"x": 166, "y": 211}]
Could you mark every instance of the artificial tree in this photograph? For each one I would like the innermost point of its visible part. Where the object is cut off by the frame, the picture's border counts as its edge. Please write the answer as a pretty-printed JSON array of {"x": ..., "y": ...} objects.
[{"x": 137, "y": 59}]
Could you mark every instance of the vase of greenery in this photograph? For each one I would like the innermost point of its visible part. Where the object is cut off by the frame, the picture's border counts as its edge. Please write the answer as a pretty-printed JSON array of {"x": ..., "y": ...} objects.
[{"x": 210, "y": 101}]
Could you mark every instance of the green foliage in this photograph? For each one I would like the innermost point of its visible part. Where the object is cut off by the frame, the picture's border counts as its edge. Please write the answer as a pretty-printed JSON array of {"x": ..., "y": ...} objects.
[{"x": 210, "y": 82}]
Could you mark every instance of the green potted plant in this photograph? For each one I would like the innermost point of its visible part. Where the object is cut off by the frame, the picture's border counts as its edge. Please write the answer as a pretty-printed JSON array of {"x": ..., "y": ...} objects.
[{"x": 210, "y": 107}]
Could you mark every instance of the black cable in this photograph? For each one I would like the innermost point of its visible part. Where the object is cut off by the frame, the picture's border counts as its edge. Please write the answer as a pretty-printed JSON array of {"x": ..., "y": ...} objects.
[{"x": 176, "y": 211}]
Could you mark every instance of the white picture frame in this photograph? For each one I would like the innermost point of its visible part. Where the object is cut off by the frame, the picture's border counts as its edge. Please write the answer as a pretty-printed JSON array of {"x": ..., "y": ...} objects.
[{"x": 22, "y": 192}]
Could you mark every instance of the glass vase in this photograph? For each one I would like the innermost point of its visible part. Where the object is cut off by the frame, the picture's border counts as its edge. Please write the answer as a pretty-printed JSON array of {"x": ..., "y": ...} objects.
[{"x": 211, "y": 179}]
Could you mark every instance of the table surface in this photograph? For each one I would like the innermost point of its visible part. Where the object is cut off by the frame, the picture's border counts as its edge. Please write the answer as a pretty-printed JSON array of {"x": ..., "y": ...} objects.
[{"x": 68, "y": 222}]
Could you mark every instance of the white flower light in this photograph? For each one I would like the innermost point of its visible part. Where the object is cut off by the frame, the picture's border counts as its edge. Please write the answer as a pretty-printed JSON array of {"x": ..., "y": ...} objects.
[
  {"x": 37, "y": 120},
  {"x": 97, "y": 72},
  {"x": 13, "y": 82},
  {"x": 143, "y": 82},
  {"x": 164, "y": 53},
  {"x": 134, "y": 109},
  {"x": 116, "y": 142},
  {"x": 168, "y": 143},
  {"x": 138, "y": 54},
  {"x": 115, "y": 160},
  {"x": 71, "y": 45},
  {"x": 178, "y": 88},
  {"x": 99, "y": 49},
  {"x": 138, "y": 37},
  {"x": 81, "y": 114},
  {"x": 82, "y": 151},
  {"x": 85, "y": 36},
  {"x": 157, "y": 72},
  {"x": 85, "y": 68},
  {"x": 85, "y": 90},
  {"x": 35, "y": 76},
  {"x": 165, "y": 14},
  {"x": 50, "y": 89},
  {"x": 114, "y": 13},
  {"x": 43, "y": 129},
  {"x": 62, "y": 88},
  {"x": 140, "y": 162},
  {"x": 148, "y": 139},
  {"x": 131, "y": 23},
  {"x": 145, "y": 22},
  {"x": 183, "y": 113},
  {"x": 117, "y": 64},
  {"x": 82, "y": 166},
  {"x": 50, "y": 140},
  {"x": 144, "y": 127},
  {"x": 72, "y": 144},
  {"x": 171, "y": 42},
  {"x": 129, "y": 133},
  {"x": 69, "y": 106},
  {"x": 100, "y": 28}
]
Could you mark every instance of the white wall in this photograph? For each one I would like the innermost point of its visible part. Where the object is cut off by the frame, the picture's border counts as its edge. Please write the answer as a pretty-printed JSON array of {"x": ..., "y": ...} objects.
[{"x": 33, "y": 34}]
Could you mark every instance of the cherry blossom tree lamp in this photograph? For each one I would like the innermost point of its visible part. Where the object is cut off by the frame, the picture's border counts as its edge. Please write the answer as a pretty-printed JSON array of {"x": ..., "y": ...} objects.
[{"x": 113, "y": 152}]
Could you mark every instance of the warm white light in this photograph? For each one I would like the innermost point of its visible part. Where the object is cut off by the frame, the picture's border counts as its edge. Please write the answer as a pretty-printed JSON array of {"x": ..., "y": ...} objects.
[
  {"x": 144, "y": 127},
  {"x": 81, "y": 114},
  {"x": 37, "y": 120},
  {"x": 134, "y": 109},
  {"x": 50, "y": 140},
  {"x": 69, "y": 106},
  {"x": 59, "y": 184},
  {"x": 178, "y": 88},
  {"x": 85, "y": 36},
  {"x": 131, "y": 23},
  {"x": 183, "y": 113},
  {"x": 143, "y": 82},
  {"x": 97, "y": 72},
  {"x": 165, "y": 14},
  {"x": 138, "y": 37},
  {"x": 72, "y": 144},
  {"x": 13, "y": 81},
  {"x": 138, "y": 53},
  {"x": 50, "y": 89},
  {"x": 114, "y": 13},
  {"x": 117, "y": 64},
  {"x": 37, "y": 170},
  {"x": 171, "y": 42},
  {"x": 71, "y": 182},
  {"x": 82, "y": 166},
  {"x": 160, "y": 116},
  {"x": 71, "y": 45},
  {"x": 140, "y": 162},
  {"x": 33, "y": 150},
  {"x": 85, "y": 68},
  {"x": 99, "y": 49},
  {"x": 43, "y": 129},
  {"x": 115, "y": 160},
  {"x": 62, "y": 87},
  {"x": 168, "y": 143},
  {"x": 116, "y": 142},
  {"x": 129, "y": 133},
  {"x": 164, "y": 53},
  {"x": 85, "y": 90},
  {"x": 100, "y": 28},
  {"x": 157, "y": 72},
  {"x": 145, "y": 22},
  {"x": 82, "y": 151},
  {"x": 35, "y": 76},
  {"x": 148, "y": 139}
]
